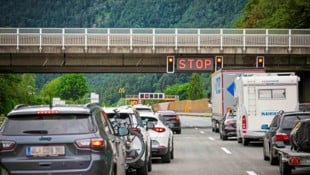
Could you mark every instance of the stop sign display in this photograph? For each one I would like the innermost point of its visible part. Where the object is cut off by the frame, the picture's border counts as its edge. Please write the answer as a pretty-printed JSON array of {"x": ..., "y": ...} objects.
[{"x": 195, "y": 64}]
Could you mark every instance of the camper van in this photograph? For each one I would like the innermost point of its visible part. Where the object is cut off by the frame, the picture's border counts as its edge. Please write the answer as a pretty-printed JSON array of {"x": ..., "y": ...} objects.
[{"x": 258, "y": 97}]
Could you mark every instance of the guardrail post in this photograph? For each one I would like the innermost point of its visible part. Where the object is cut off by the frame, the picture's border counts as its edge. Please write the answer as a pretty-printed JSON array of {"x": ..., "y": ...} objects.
[
  {"x": 267, "y": 35},
  {"x": 289, "y": 40},
  {"x": 198, "y": 40},
  {"x": 85, "y": 40},
  {"x": 176, "y": 39},
  {"x": 221, "y": 34},
  {"x": 63, "y": 39},
  {"x": 153, "y": 48},
  {"x": 130, "y": 38},
  {"x": 17, "y": 39},
  {"x": 40, "y": 47},
  {"x": 244, "y": 32},
  {"x": 109, "y": 39}
]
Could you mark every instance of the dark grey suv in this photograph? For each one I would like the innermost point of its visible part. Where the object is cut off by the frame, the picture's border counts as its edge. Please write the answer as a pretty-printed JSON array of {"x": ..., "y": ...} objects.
[{"x": 64, "y": 140}]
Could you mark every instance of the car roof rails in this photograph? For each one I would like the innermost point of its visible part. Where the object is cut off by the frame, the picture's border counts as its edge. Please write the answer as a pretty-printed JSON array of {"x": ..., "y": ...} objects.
[{"x": 19, "y": 106}]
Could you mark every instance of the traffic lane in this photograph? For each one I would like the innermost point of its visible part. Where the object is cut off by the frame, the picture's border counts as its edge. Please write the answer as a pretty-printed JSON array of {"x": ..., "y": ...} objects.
[
  {"x": 199, "y": 151},
  {"x": 195, "y": 121}
]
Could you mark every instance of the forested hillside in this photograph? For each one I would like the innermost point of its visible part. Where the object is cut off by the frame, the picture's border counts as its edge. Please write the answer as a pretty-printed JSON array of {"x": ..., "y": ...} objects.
[{"x": 139, "y": 14}]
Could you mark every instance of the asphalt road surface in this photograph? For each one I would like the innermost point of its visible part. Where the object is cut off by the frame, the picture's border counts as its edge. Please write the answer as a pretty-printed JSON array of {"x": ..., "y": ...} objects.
[{"x": 199, "y": 151}]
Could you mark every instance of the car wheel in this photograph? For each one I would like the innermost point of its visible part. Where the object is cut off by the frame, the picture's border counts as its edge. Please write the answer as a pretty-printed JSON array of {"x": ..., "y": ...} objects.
[
  {"x": 245, "y": 141},
  {"x": 143, "y": 170},
  {"x": 167, "y": 157},
  {"x": 264, "y": 153},
  {"x": 273, "y": 160},
  {"x": 285, "y": 169},
  {"x": 178, "y": 131},
  {"x": 239, "y": 140},
  {"x": 172, "y": 151}
]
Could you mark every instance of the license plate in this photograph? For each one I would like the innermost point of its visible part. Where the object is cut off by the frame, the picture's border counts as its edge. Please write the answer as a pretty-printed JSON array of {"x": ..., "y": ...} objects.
[{"x": 43, "y": 151}]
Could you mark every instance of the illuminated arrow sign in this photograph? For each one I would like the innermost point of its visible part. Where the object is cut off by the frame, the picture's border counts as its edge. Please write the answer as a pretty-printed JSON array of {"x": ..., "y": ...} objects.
[{"x": 231, "y": 89}]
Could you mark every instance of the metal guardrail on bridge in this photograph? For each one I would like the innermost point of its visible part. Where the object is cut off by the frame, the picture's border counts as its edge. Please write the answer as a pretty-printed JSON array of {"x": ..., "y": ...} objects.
[{"x": 154, "y": 38}]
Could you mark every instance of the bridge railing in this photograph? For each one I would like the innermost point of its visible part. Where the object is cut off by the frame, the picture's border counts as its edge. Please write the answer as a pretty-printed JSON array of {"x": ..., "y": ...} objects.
[{"x": 154, "y": 37}]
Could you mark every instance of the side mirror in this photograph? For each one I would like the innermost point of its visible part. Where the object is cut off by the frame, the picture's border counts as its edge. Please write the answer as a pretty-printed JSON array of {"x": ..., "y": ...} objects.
[
  {"x": 264, "y": 126},
  {"x": 122, "y": 131}
]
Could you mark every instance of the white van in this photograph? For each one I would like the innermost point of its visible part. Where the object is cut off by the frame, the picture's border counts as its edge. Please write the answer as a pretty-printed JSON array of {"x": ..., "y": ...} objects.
[{"x": 258, "y": 97}]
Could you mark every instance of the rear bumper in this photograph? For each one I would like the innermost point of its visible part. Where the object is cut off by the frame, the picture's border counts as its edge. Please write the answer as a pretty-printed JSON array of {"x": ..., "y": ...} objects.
[
  {"x": 97, "y": 167},
  {"x": 157, "y": 152},
  {"x": 254, "y": 135}
]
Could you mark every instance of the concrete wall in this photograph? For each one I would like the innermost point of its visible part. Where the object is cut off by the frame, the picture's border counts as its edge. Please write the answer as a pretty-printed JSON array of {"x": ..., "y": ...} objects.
[{"x": 201, "y": 105}]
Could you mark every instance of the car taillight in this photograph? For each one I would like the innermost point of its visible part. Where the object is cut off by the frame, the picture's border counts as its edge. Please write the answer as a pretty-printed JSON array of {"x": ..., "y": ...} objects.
[
  {"x": 7, "y": 145},
  {"x": 294, "y": 160},
  {"x": 93, "y": 143},
  {"x": 281, "y": 137},
  {"x": 136, "y": 129},
  {"x": 159, "y": 129},
  {"x": 244, "y": 122}
]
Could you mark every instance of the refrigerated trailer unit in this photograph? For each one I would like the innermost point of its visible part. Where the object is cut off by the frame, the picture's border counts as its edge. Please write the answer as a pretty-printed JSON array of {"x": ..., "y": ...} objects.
[
  {"x": 258, "y": 97},
  {"x": 222, "y": 94}
]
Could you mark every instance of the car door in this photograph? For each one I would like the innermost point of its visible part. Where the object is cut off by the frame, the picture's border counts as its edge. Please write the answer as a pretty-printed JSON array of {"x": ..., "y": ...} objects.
[{"x": 270, "y": 133}]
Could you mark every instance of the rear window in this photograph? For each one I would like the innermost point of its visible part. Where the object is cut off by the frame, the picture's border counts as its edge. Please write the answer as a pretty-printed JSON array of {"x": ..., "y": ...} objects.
[
  {"x": 48, "y": 124},
  {"x": 149, "y": 119},
  {"x": 289, "y": 121}
]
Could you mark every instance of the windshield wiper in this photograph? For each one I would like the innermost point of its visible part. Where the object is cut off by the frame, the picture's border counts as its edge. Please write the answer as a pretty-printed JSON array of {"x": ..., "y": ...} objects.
[{"x": 36, "y": 132}]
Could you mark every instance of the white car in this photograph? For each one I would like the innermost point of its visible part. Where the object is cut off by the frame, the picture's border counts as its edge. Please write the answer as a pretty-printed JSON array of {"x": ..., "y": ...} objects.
[
  {"x": 161, "y": 136},
  {"x": 128, "y": 115}
]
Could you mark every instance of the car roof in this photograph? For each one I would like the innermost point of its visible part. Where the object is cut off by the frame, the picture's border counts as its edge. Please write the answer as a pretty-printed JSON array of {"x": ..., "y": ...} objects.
[
  {"x": 146, "y": 114},
  {"x": 47, "y": 109},
  {"x": 296, "y": 112},
  {"x": 167, "y": 112}
]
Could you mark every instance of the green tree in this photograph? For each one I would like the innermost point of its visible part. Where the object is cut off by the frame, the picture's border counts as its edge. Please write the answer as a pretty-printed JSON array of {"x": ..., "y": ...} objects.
[
  {"x": 51, "y": 88},
  {"x": 178, "y": 89},
  {"x": 195, "y": 90},
  {"x": 73, "y": 86}
]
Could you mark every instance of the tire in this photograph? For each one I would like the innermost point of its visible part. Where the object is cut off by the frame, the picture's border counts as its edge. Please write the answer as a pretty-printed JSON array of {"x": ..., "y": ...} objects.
[
  {"x": 245, "y": 141},
  {"x": 285, "y": 169},
  {"x": 178, "y": 131},
  {"x": 149, "y": 163},
  {"x": 239, "y": 140},
  {"x": 214, "y": 126},
  {"x": 138, "y": 136},
  {"x": 272, "y": 160},
  {"x": 167, "y": 157},
  {"x": 264, "y": 153},
  {"x": 172, "y": 151},
  {"x": 144, "y": 169}
]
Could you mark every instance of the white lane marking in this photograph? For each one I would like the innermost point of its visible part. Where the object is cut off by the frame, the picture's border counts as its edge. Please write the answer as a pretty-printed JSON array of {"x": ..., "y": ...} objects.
[
  {"x": 211, "y": 138},
  {"x": 225, "y": 150},
  {"x": 202, "y": 132},
  {"x": 251, "y": 173}
]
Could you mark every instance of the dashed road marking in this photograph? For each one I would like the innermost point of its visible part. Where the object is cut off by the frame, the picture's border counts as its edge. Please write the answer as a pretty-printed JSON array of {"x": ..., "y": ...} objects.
[
  {"x": 225, "y": 150},
  {"x": 211, "y": 138},
  {"x": 202, "y": 132},
  {"x": 251, "y": 173}
]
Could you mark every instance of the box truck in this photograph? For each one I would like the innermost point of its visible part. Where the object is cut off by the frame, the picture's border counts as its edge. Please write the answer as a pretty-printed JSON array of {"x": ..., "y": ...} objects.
[
  {"x": 258, "y": 97},
  {"x": 222, "y": 93}
]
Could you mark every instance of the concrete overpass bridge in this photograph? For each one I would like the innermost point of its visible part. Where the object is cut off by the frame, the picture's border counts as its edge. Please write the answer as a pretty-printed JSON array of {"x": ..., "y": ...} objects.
[
  {"x": 145, "y": 49},
  {"x": 121, "y": 50}
]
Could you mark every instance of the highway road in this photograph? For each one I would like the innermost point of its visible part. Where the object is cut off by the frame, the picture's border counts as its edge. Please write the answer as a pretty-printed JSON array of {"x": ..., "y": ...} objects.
[{"x": 199, "y": 151}]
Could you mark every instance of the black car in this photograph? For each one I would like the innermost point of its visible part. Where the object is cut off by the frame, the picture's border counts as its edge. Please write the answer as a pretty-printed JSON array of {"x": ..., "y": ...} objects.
[
  {"x": 58, "y": 140},
  {"x": 227, "y": 126},
  {"x": 278, "y": 133},
  {"x": 170, "y": 119}
]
